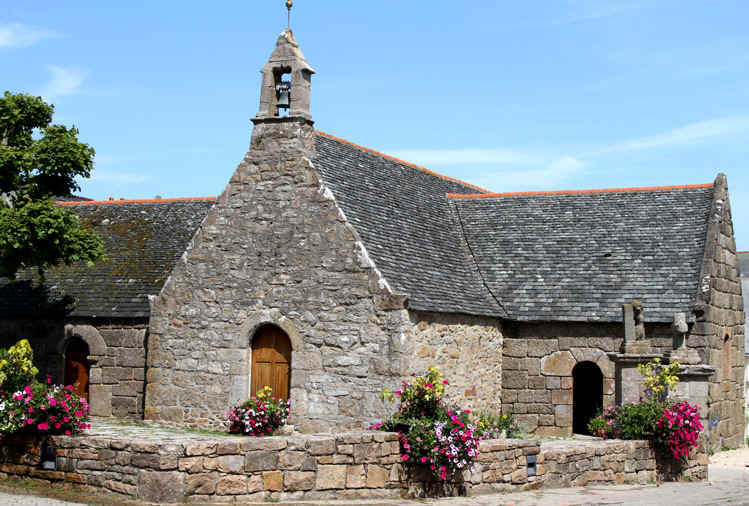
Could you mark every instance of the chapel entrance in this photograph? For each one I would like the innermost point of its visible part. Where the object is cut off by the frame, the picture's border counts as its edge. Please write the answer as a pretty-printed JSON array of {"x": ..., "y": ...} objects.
[
  {"x": 271, "y": 361},
  {"x": 587, "y": 395},
  {"x": 76, "y": 366}
]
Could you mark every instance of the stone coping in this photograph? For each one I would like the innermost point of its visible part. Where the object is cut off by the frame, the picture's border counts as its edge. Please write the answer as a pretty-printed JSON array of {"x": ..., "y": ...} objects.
[{"x": 167, "y": 465}]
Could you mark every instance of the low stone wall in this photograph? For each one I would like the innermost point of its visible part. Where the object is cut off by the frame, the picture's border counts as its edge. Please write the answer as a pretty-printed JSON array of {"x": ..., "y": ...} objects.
[{"x": 342, "y": 466}]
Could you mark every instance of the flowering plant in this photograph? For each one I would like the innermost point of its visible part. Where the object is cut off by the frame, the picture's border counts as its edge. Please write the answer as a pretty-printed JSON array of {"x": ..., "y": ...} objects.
[
  {"x": 17, "y": 366},
  {"x": 494, "y": 426},
  {"x": 674, "y": 426},
  {"x": 43, "y": 409},
  {"x": 631, "y": 420},
  {"x": 28, "y": 406},
  {"x": 679, "y": 429},
  {"x": 659, "y": 379},
  {"x": 260, "y": 415},
  {"x": 432, "y": 435}
]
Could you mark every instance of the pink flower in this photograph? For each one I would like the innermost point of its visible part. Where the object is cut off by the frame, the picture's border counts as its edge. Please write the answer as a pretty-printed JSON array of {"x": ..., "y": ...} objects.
[{"x": 43, "y": 426}]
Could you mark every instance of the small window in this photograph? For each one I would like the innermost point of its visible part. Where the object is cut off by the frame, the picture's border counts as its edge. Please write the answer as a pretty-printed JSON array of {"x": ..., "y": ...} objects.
[{"x": 726, "y": 359}]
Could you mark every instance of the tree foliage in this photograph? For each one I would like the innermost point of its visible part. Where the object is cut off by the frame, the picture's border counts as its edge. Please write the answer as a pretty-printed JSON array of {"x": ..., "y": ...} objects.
[{"x": 40, "y": 160}]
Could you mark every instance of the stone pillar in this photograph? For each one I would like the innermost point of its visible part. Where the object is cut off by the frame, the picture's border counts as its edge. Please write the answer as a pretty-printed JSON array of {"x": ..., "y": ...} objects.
[
  {"x": 628, "y": 378},
  {"x": 633, "y": 316}
]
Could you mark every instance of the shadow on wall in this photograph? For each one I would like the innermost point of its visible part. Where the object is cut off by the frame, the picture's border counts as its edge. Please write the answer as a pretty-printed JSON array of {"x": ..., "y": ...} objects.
[{"x": 25, "y": 298}]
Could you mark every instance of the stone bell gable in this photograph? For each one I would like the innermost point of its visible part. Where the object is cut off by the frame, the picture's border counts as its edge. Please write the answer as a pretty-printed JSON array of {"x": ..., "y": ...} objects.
[{"x": 275, "y": 251}]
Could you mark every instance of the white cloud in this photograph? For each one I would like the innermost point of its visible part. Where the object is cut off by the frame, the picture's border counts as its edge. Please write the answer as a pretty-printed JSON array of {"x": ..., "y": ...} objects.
[
  {"x": 442, "y": 157},
  {"x": 65, "y": 81},
  {"x": 687, "y": 134},
  {"x": 118, "y": 177},
  {"x": 553, "y": 175},
  {"x": 20, "y": 35}
]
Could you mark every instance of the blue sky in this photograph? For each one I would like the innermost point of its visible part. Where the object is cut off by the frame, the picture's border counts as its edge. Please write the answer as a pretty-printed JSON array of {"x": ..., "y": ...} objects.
[{"x": 511, "y": 96}]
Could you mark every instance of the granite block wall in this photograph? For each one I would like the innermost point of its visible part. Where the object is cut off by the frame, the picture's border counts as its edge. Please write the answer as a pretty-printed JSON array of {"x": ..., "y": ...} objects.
[
  {"x": 538, "y": 362},
  {"x": 276, "y": 249},
  {"x": 466, "y": 349},
  {"x": 359, "y": 465},
  {"x": 718, "y": 334},
  {"x": 117, "y": 357}
]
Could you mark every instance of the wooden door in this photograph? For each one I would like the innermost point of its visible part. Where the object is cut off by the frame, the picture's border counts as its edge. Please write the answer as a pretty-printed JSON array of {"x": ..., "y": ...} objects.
[
  {"x": 76, "y": 367},
  {"x": 271, "y": 361}
]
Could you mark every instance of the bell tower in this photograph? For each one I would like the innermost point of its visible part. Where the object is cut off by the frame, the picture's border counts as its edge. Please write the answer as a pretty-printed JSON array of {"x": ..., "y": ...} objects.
[{"x": 285, "y": 91}]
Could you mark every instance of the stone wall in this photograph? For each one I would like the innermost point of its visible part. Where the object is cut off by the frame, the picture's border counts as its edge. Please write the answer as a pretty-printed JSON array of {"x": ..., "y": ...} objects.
[
  {"x": 538, "y": 359},
  {"x": 361, "y": 465},
  {"x": 276, "y": 249},
  {"x": 718, "y": 334},
  {"x": 117, "y": 356},
  {"x": 467, "y": 350}
]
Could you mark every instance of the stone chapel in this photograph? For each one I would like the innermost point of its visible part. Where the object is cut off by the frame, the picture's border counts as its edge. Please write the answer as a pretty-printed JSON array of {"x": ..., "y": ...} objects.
[{"x": 331, "y": 271}]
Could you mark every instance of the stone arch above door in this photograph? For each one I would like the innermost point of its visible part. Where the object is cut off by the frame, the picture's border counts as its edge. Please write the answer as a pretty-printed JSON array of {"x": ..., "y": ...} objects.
[
  {"x": 272, "y": 317},
  {"x": 97, "y": 347},
  {"x": 561, "y": 364},
  {"x": 99, "y": 395}
]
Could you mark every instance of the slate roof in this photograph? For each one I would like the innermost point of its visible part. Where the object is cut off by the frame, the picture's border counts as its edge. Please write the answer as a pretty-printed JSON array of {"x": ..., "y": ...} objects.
[
  {"x": 143, "y": 240},
  {"x": 404, "y": 219},
  {"x": 579, "y": 256},
  {"x": 449, "y": 245}
]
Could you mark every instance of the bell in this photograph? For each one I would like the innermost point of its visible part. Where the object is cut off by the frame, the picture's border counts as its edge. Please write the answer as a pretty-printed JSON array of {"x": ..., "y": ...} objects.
[{"x": 283, "y": 92}]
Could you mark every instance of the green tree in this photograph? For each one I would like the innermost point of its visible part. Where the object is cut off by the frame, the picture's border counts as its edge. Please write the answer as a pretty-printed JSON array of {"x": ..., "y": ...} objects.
[{"x": 40, "y": 160}]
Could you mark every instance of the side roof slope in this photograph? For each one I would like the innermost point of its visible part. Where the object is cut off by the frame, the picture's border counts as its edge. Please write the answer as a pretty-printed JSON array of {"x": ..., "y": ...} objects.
[
  {"x": 578, "y": 256},
  {"x": 404, "y": 219},
  {"x": 143, "y": 240}
]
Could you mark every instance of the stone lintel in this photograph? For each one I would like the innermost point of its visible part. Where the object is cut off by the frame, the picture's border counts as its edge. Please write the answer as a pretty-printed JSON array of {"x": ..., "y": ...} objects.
[{"x": 633, "y": 358}]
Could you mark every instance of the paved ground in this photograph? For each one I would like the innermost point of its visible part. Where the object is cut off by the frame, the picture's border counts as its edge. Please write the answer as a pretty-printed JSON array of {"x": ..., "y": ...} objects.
[{"x": 728, "y": 484}]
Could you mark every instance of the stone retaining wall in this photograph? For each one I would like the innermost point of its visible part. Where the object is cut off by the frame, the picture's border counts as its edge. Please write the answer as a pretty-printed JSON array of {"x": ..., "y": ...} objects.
[{"x": 343, "y": 466}]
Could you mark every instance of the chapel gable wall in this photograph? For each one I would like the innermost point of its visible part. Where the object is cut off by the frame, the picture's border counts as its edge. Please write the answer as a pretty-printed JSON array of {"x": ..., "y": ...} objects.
[{"x": 276, "y": 249}]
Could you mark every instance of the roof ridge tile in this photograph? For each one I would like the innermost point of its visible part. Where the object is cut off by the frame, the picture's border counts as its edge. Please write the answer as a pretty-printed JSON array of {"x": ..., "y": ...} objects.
[
  {"x": 579, "y": 192},
  {"x": 134, "y": 201},
  {"x": 403, "y": 162}
]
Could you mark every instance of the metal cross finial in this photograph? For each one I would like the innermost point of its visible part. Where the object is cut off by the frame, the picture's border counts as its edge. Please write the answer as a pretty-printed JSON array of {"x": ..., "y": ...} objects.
[{"x": 289, "y": 5}]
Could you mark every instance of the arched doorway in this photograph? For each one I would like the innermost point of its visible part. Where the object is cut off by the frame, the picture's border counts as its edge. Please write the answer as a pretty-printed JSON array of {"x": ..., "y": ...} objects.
[
  {"x": 77, "y": 366},
  {"x": 587, "y": 395},
  {"x": 271, "y": 361}
]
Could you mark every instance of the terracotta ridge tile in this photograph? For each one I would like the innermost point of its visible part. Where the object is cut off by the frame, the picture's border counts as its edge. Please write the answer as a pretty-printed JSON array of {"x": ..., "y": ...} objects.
[
  {"x": 579, "y": 192},
  {"x": 134, "y": 201},
  {"x": 403, "y": 162}
]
